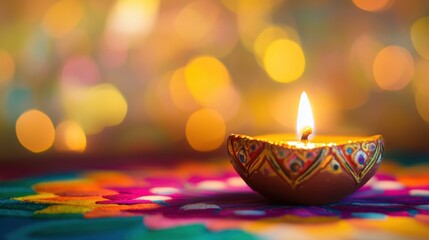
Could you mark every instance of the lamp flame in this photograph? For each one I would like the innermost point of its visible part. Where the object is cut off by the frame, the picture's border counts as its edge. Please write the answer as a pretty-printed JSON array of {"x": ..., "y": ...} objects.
[{"x": 305, "y": 120}]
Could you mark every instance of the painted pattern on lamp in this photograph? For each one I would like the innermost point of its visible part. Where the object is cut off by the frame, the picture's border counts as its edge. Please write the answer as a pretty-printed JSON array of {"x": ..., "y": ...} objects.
[{"x": 322, "y": 170}]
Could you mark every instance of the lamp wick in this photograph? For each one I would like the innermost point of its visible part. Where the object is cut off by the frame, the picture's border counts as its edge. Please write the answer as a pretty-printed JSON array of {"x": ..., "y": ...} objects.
[{"x": 307, "y": 131}]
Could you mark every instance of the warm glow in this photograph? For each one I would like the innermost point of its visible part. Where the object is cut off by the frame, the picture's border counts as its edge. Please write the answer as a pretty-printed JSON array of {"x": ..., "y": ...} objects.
[
  {"x": 393, "y": 68},
  {"x": 179, "y": 92},
  {"x": 196, "y": 20},
  {"x": 266, "y": 37},
  {"x": 133, "y": 18},
  {"x": 62, "y": 17},
  {"x": 284, "y": 61},
  {"x": 269, "y": 35},
  {"x": 207, "y": 80},
  {"x": 35, "y": 131},
  {"x": 420, "y": 36},
  {"x": 421, "y": 88},
  {"x": 252, "y": 18},
  {"x": 362, "y": 55},
  {"x": 373, "y": 5},
  {"x": 70, "y": 137},
  {"x": 422, "y": 105},
  {"x": 420, "y": 79},
  {"x": 209, "y": 83},
  {"x": 96, "y": 107},
  {"x": 205, "y": 130},
  {"x": 305, "y": 116}
]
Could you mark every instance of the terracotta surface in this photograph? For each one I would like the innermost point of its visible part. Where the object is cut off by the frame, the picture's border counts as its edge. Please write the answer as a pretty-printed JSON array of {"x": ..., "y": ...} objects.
[{"x": 323, "y": 173}]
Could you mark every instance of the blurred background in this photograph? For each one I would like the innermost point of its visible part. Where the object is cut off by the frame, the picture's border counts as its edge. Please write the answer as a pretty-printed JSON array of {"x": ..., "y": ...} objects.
[{"x": 129, "y": 77}]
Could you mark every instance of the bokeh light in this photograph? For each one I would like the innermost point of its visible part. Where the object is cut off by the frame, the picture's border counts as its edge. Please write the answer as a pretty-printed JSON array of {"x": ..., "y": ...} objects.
[
  {"x": 180, "y": 94},
  {"x": 252, "y": 18},
  {"x": 228, "y": 104},
  {"x": 80, "y": 70},
  {"x": 7, "y": 67},
  {"x": 284, "y": 61},
  {"x": 421, "y": 73},
  {"x": 421, "y": 88},
  {"x": 62, "y": 17},
  {"x": 35, "y": 131},
  {"x": 420, "y": 36},
  {"x": 205, "y": 130},
  {"x": 269, "y": 35},
  {"x": 126, "y": 75},
  {"x": 393, "y": 68},
  {"x": 70, "y": 137},
  {"x": 207, "y": 79},
  {"x": 96, "y": 107},
  {"x": 362, "y": 55},
  {"x": 209, "y": 83},
  {"x": 196, "y": 20},
  {"x": 373, "y": 5},
  {"x": 266, "y": 37},
  {"x": 356, "y": 90},
  {"x": 422, "y": 100},
  {"x": 132, "y": 19}
]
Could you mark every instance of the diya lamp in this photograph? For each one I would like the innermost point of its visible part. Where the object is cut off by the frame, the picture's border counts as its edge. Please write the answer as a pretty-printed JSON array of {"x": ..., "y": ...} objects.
[{"x": 308, "y": 169}]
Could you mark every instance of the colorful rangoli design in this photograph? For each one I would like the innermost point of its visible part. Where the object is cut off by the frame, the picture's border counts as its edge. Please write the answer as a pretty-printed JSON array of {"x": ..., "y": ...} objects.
[{"x": 206, "y": 200}]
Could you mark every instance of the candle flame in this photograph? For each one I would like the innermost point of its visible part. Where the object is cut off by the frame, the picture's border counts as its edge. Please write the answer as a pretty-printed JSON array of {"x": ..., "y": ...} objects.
[{"x": 305, "y": 119}]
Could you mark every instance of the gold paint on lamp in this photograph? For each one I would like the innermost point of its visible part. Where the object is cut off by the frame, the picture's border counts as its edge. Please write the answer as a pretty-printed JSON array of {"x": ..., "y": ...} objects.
[{"x": 321, "y": 171}]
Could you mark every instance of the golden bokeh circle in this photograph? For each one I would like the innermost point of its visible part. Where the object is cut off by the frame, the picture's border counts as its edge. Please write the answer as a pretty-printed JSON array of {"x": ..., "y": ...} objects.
[
  {"x": 205, "y": 130},
  {"x": 35, "y": 131}
]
